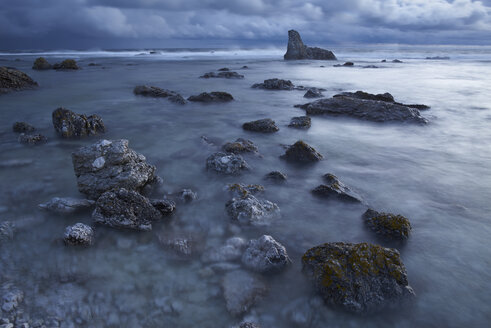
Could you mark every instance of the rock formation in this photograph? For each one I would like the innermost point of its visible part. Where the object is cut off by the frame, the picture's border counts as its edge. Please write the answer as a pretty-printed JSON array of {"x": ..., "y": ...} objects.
[{"x": 297, "y": 50}]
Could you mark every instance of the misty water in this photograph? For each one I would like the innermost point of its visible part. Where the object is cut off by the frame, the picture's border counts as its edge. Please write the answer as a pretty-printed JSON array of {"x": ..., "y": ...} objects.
[{"x": 438, "y": 175}]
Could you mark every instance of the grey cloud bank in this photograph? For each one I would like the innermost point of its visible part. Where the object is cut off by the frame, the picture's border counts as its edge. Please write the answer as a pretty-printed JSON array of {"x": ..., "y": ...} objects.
[{"x": 30, "y": 24}]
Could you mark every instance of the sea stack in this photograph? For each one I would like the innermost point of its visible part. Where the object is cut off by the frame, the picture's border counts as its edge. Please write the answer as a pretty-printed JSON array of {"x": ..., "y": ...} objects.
[{"x": 297, "y": 50}]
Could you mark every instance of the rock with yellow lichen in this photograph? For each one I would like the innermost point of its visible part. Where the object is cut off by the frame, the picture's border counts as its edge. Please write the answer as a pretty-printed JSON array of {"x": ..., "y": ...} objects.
[
  {"x": 360, "y": 278},
  {"x": 388, "y": 225}
]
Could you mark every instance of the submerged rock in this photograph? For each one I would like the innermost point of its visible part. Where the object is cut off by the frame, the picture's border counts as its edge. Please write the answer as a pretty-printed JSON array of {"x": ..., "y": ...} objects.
[
  {"x": 14, "y": 80},
  {"x": 12, "y": 297},
  {"x": 274, "y": 84},
  {"x": 300, "y": 122},
  {"x": 397, "y": 61},
  {"x": 380, "y": 97},
  {"x": 22, "y": 127},
  {"x": 388, "y": 225},
  {"x": 215, "y": 96},
  {"x": 121, "y": 208},
  {"x": 302, "y": 152},
  {"x": 180, "y": 245},
  {"x": 242, "y": 190},
  {"x": 110, "y": 164},
  {"x": 224, "y": 69},
  {"x": 7, "y": 229},
  {"x": 313, "y": 93},
  {"x": 335, "y": 189},
  {"x": 360, "y": 278},
  {"x": 232, "y": 250},
  {"x": 223, "y": 74},
  {"x": 69, "y": 124},
  {"x": 266, "y": 125},
  {"x": 79, "y": 234},
  {"x": 242, "y": 290},
  {"x": 32, "y": 139},
  {"x": 164, "y": 206},
  {"x": 150, "y": 91},
  {"x": 297, "y": 50},
  {"x": 251, "y": 210},
  {"x": 187, "y": 195},
  {"x": 249, "y": 325},
  {"x": 265, "y": 255},
  {"x": 41, "y": 64},
  {"x": 226, "y": 163},
  {"x": 67, "y": 64},
  {"x": 347, "y": 64},
  {"x": 240, "y": 146},
  {"x": 67, "y": 204},
  {"x": 276, "y": 176}
]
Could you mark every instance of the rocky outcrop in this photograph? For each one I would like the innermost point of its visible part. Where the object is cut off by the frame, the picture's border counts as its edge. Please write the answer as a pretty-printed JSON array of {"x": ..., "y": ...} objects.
[
  {"x": 155, "y": 92},
  {"x": 226, "y": 163},
  {"x": 240, "y": 146},
  {"x": 313, "y": 93},
  {"x": 390, "y": 226},
  {"x": 32, "y": 139},
  {"x": 69, "y": 124},
  {"x": 67, "y": 205},
  {"x": 79, "y": 234},
  {"x": 41, "y": 64},
  {"x": 110, "y": 164},
  {"x": 300, "y": 122},
  {"x": 215, "y": 96},
  {"x": 265, "y": 255},
  {"x": 223, "y": 75},
  {"x": 333, "y": 188},
  {"x": 66, "y": 65},
  {"x": 360, "y": 278},
  {"x": 22, "y": 127},
  {"x": 380, "y": 97},
  {"x": 266, "y": 125},
  {"x": 371, "y": 110},
  {"x": 14, "y": 80},
  {"x": 274, "y": 84},
  {"x": 121, "y": 208},
  {"x": 251, "y": 210},
  {"x": 276, "y": 176},
  {"x": 241, "y": 291},
  {"x": 297, "y": 50},
  {"x": 301, "y": 152}
]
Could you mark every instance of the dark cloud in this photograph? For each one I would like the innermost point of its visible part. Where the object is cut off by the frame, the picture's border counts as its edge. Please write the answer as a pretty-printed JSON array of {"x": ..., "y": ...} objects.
[{"x": 125, "y": 23}]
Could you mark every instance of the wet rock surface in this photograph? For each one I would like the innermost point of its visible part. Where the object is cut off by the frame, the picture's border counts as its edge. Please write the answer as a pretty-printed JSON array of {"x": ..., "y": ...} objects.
[
  {"x": 335, "y": 189},
  {"x": 14, "y": 80},
  {"x": 79, "y": 234},
  {"x": 360, "y": 278},
  {"x": 41, "y": 64},
  {"x": 22, "y": 127},
  {"x": 155, "y": 92},
  {"x": 301, "y": 152},
  {"x": 121, "y": 208},
  {"x": 66, "y": 65},
  {"x": 164, "y": 206},
  {"x": 387, "y": 225},
  {"x": 380, "y": 97},
  {"x": 67, "y": 204},
  {"x": 240, "y": 146},
  {"x": 242, "y": 290},
  {"x": 251, "y": 210},
  {"x": 274, "y": 84},
  {"x": 226, "y": 163},
  {"x": 69, "y": 124},
  {"x": 209, "y": 97},
  {"x": 266, "y": 125},
  {"x": 32, "y": 139},
  {"x": 300, "y": 122},
  {"x": 265, "y": 255},
  {"x": 297, "y": 50},
  {"x": 242, "y": 190},
  {"x": 276, "y": 176},
  {"x": 110, "y": 164},
  {"x": 313, "y": 93}
]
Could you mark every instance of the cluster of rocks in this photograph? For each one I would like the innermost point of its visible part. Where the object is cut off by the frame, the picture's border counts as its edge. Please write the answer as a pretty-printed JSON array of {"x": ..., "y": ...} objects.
[
  {"x": 274, "y": 84},
  {"x": 42, "y": 64},
  {"x": 69, "y": 124},
  {"x": 14, "y": 80},
  {"x": 346, "y": 64},
  {"x": 224, "y": 73},
  {"x": 298, "y": 50},
  {"x": 155, "y": 92}
]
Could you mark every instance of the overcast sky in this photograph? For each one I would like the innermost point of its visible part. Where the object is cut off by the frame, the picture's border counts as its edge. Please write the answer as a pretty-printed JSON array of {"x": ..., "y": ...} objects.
[{"x": 48, "y": 24}]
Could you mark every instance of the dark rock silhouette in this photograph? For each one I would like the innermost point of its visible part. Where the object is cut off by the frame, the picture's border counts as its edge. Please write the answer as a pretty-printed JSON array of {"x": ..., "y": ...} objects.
[{"x": 297, "y": 50}]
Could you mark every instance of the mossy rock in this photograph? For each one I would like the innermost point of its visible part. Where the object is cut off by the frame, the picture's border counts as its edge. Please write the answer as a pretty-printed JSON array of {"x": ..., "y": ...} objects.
[
  {"x": 67, "y": 64},
  {"x": 360, "y": 278},
  {"x": 388, "y": 225},
  {"x": 41, "y": 64},
  {"x": 240, "y": 146}
]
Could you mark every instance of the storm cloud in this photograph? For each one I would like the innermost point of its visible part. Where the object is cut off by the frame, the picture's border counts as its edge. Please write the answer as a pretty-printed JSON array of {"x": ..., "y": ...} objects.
[{"x": 129, "y": 23}]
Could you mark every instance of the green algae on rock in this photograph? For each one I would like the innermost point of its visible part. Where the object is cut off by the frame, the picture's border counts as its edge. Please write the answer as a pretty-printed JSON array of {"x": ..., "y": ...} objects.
[{"x": 388, "y": 225}]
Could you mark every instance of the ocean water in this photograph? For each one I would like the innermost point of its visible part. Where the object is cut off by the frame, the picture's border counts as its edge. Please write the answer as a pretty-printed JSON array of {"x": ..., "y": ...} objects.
[{"x": 438, "y": 175}]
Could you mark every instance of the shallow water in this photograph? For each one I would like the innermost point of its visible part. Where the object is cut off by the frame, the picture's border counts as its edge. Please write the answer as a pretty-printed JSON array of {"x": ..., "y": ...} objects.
[{"x": 438, "y": 175}]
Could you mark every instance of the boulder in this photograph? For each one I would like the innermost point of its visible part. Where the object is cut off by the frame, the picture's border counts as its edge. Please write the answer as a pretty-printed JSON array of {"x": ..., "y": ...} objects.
[
  {"x": 371, "y": 110},
  {"x": 297, "y": 50},
  {"x": 79, "y": 234},
  {"x": 380, "y": 97},
  {"x": 32, "y": 139},
  {"x": 335, "y": 189},
  {"x": 240, "y": 146},
  {"x": 265, "y": 255},
  {"x": 66, "y": 65},
  {"x": 121, "y": 208},
  {"x": 67, "y": 204},
  {"x": 313, "y": 93},
  {"x": 155, "y": 92},
  {"x": 301, "y": 152},
  {"x": 41, "y": 64},
  {"x": 14, "y": 80},
  {"x": 242, "y": 290},
  {"x": 390, "y": 226},
  {"x": 224, "y": 75},
  {"x": 22, "y": 127},
  {"x": 300, "y": 122},
  {"x": 360, "y": 278},
  {"x": 274, "y": 84},
  {"x": 251, "y": 210},
  {"x": 276, "y": 176},
  {"x": 69, "y": 124},
  {"x": 266, "y": 125},
  {"x": 215, "y": 96},
  {"x": 110, "y": 164},
  {"x": 226, "y": 163},
  {"x": 164, "y": 206},
  {"x": 231, "y": 251}
]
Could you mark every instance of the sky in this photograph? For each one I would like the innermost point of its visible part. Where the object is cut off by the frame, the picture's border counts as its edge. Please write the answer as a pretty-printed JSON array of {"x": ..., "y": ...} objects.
[{"x": 124, "y": 24}]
